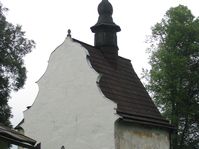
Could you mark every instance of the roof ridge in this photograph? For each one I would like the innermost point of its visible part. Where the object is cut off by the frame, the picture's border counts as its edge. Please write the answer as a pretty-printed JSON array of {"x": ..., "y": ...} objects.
[
  {"x": 124, "y": 58},
  {"x": 82, "y": 42}
]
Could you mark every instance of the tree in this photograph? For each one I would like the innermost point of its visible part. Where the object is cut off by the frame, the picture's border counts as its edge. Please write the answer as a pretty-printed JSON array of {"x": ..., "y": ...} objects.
[
  {"x": 13, "y": 47},
  {"x": 173, "y": 80}
]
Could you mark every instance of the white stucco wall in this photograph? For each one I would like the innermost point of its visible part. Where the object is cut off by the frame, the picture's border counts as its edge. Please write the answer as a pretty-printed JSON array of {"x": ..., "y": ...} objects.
[
  {"x": 132, "y": 136},
  {"x": 70, "y": 110}
]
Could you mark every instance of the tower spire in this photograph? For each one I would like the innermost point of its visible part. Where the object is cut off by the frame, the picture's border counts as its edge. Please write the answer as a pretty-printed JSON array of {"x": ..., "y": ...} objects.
[{"x": 105, "y": 29}]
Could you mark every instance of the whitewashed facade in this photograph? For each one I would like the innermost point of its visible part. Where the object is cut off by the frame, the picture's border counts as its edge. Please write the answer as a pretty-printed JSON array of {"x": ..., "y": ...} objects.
[{"x": 70, "y": 110}]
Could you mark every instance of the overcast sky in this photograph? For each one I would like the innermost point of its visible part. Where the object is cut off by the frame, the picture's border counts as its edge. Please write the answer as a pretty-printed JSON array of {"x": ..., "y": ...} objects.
[{"x": 47, "y": 22}]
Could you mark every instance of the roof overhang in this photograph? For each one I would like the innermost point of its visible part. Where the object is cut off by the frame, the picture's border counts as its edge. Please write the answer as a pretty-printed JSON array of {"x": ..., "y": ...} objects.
[{"x": 13, "y": 137}]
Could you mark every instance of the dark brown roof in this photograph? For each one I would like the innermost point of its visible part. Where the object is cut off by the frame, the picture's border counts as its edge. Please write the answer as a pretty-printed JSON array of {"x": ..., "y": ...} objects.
[
  {"x": 14, "y": 137},
  {"x": 122, "y": 85}
]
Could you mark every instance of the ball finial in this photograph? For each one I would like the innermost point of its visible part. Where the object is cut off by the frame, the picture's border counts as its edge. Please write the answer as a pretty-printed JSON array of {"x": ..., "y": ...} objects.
[{"x": 105, "y": 8}]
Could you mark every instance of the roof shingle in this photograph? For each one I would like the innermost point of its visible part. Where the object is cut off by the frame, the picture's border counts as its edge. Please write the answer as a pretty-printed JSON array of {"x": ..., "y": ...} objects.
[{"x": 122, "y": 85}]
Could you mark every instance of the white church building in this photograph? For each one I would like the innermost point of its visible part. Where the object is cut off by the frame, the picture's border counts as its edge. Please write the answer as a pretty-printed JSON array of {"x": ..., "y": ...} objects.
[{"x": 91, "y": 98}]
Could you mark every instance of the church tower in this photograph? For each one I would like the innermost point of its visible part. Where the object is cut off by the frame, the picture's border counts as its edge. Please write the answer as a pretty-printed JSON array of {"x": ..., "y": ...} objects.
[
  {"x": 105, "y": 29},
  {"x": 105, "y": 32},
  {"x": 89, "y": 97}
]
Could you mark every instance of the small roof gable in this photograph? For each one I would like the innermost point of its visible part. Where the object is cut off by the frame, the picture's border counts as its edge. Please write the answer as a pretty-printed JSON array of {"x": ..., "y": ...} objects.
[
  {"x": 122, "y": 85},
  {"x": 14, "y": 137}
]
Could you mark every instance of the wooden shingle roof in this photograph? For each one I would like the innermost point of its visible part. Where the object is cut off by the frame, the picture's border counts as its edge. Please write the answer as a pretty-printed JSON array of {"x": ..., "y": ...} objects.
[{"x": 122, "y": 85}]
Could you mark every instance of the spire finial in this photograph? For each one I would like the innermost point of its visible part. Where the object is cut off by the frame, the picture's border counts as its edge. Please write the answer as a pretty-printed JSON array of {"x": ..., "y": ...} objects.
[
  {"x": 105, "y": 29},
  {"x": 105, "y": 8},
  {"x": 69, "y": 33},
  {"x": 105, "y": 19}
]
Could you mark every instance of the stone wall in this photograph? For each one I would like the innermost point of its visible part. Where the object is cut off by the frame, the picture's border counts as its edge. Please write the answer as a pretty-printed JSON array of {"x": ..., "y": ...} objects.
[{"x": 132, "y": 136}]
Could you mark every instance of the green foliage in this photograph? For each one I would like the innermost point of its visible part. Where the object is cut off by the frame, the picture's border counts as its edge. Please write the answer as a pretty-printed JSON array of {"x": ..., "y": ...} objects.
[
  {"x": 174, "y": 75},
  {"x": 13, "y": 47}
]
